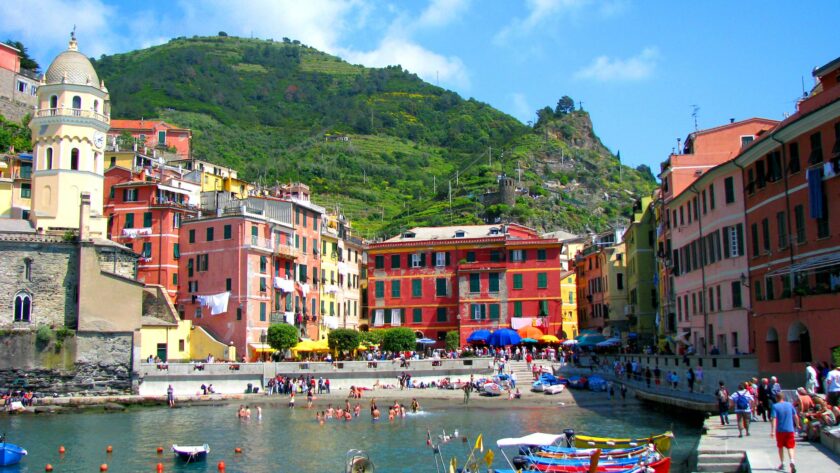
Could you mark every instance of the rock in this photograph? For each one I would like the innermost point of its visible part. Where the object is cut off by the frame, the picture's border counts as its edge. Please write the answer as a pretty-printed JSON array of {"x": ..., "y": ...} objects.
[{"x": 113, "y": 407}]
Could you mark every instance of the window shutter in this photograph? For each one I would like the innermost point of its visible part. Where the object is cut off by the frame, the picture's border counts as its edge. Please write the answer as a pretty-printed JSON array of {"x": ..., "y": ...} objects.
[
  {"x": 447, "y": 258},
  {"x": 422, "y": 260},
  {"x": 524, "y": 255}
]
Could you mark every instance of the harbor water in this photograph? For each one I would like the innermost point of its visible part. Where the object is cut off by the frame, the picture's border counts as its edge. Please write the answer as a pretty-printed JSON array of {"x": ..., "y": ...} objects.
[{"x": 290, "y": 440}]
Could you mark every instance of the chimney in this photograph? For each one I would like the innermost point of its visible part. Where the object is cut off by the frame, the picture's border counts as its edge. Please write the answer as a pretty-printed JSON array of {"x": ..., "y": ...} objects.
[
  {"x": 84, "y": 216},
  {"x": 731, "y": 120}
]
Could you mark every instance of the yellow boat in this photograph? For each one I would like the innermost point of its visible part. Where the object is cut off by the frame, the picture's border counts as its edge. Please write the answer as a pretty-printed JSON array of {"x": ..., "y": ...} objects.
[{"x": 661, "y": 441}]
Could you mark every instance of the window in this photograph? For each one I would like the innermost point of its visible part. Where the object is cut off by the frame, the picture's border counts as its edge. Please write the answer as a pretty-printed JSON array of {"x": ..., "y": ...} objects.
[
  {"x": 442, "y": 258},
  {"x": 147, "y": 250},
  {"x": 517, "y": 281},
  {"x": 176, "y": 220},
  {"x": 416, "y": 288},
  {"x": 517, "y": 308},
  {"x": 162, "y": 137},
  {"x": 379, "y": 289},
  {"x": 494, "y": 311},
  {"x": 190, "y": 267},
  {"x": 543, "y": 308},
  {"x": 77, "y": 102},
  {"x": 475, "y": 282},
  {"x": 765, "y": 234},
  {"x": 129, "y": 220},
  {"x": 263, "y": 285},
  {"x": 774, "y": 166},
  {"x": 781, "y": 224},
  {"x": 823, "y": 230},
  {"x": 23, "y": 307},
  {"x": 541, "y": 255},
  {"x": 395, "y": 288},
  {"x": 395, "y": 261},
  {"x": 517, "y": 256},
  {"x": 768, "y": 283},
  {"x": 262, "y": 311},
  {"x": 192, "y": 236},
  {"x": 379, "y": 262},
  {"x": 493, "y": 282},
  {"x": 705, "y": 207},
  {"x": 761, "y": 174},
  {"x": 147, "y": 219},
  {"x": 440, "y": 287},
  {"x": 471, "y": 257},
  {"x": 793, "y": 157},
  {"x": 176, "y": 250},
  {"x": 746, "y": 140},
  {"x": 303, "y": 248},
  {"x": 712, "y": 196},
  {"x": 816, "y": 155},
  {"x": 571, "y": 297},
  {"x": 50, "y": 159},
  {"x": 129, "y": 195},
  {"x": 619, "y": 281},
  {"x": 263, "y": 264},
  {"x": 418, "y": 260},
  {"x": 495, "y": 256},
  {"x": 417, "y": 315},
  {"x": 209, "y": 233},
  {"x": 799, "y": 216},
  {"x": 27, "y": 269},
  {"x": 542, "y": 281},
  {"x": 729, "y": 189},
  {"x": 202, "y": 261},
  {"x": 228, "y": 284},
  {"x": 441, "y": 314},
  {"x": 74, "y": 159},
  {"x": 227, "y": 232},
  {"x": 754, "y": 237},
  {"x": 26, "y": 191}
]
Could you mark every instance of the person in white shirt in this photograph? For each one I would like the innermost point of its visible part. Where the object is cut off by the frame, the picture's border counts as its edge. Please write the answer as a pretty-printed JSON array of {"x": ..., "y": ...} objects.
[
  {"x": 832, "y": 385},
  {"x": 810, "y": 378}
]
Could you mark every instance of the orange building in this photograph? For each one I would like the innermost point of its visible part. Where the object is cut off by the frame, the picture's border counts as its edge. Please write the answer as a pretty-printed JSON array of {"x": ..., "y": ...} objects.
[
  {"x": 791, "y": 185},
  {"x": 153, "y": 134}
]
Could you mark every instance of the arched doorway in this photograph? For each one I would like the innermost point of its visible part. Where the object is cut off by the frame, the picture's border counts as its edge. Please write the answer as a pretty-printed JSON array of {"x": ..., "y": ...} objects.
[
  {"x": 799, "y": 343},
  {"x": 772, "y": 345}
]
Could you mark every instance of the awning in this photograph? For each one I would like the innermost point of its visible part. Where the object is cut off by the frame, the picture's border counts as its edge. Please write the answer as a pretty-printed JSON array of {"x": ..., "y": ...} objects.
[
  {"x": 536, "y": 439},
  {"x": 176, "y": 190},
  {"x": 261, "y": 347},
  {"x": 810, "y": 264}
]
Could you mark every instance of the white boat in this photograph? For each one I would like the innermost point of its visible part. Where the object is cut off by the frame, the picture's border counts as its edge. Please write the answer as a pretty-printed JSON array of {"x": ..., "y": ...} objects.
[
  {"x": 191, "y": 453},
  {"x": 555, "y": 389},
  {"x": 492, "y": 389}
]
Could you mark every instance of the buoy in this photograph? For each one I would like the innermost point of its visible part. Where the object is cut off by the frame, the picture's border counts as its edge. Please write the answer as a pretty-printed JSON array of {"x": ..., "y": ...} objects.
[
  {"x": 222, "y": 466},
  {"x": 237, "y": 450},
  {"x": 48, "y": 467},
  {"x": 61, "y": 450},
  {"x": 103, "y": 467},
  {"x": 160, "y": 467},
  {"x": 160, "y": 450},
  {"x": 109, "y": 449}
]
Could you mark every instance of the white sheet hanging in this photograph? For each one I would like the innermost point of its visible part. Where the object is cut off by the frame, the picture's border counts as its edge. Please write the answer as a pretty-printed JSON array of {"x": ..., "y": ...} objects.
[
  {"x": 331, "y": 322},
  {"x": 517, "y": 323},
  {"x": 217, "y": 302},
  {"x": 285, "y": 285}
]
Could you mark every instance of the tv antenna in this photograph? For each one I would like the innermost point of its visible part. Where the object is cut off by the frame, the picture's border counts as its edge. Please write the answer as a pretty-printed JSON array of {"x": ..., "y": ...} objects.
[{"x": 694, "y": 110}]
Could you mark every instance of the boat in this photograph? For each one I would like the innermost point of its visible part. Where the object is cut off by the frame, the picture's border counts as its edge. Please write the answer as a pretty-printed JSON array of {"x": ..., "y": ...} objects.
[
  {"x": 660, "y": 466},
  {"x": 357, "y": 461},
  {"x": 661, "y": 441},
  {"x": 191, "y": 453},
  {"x": 492, "y": 389},
  {"x": 555, "y": 389},
  {"x": 597, "y": 383},
  {"x": 545, "y": 380},
  {"x": 578, "y": 382},
  {"x": 572, "y": 452},
  {"x": 10, "y": 454}
]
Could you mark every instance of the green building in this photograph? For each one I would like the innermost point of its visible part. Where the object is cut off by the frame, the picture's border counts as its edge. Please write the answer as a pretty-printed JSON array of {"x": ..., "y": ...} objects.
[{"x": 642, "y": 294}]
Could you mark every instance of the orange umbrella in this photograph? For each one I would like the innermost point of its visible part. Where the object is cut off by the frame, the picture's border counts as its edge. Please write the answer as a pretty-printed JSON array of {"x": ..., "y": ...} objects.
[{"x": 530, "y": 332}]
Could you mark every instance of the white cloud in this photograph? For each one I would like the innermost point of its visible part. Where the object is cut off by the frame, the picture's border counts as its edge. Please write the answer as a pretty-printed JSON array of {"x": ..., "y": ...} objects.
[
  {"x": 539, "y": 11},
  {"x": 606, "y": 69},
  {"x": 521, "y": 108},
  {"x": 393, "y": 50},
  {"x": 442, "y": 12}
]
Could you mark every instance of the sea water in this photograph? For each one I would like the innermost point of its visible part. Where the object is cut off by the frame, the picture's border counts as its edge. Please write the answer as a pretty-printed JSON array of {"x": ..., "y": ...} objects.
[{"x": 291, "y": 440}]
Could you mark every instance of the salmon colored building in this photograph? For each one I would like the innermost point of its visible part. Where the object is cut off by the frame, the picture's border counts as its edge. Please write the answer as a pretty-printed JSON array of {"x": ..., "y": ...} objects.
[
  {"x": 792, "y": 183},
  {"x": 145, "y": 210},
  {"x": 153, "y": 134},
  {"x": 438, "y": 279}
]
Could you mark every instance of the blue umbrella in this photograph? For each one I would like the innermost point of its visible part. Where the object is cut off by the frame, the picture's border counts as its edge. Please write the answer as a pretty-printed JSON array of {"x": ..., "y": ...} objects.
[
  {"x": 590, "y": 340},
  {"x": 479, "y": 336},
  {"x": 529, "y": 340},
  {"x": 426, "y": 341},
  {"x": 504, "y": 337}
]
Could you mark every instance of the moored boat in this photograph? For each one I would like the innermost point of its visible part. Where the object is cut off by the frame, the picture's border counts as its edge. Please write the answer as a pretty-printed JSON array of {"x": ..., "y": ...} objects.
[
  {"x": 11, "y": 454},
  {"x": 661, "y": 441},
  {"x": 492, "y": 389},
  {"x": 191, "y": 453},
  {"x": 555, "y": 389}
]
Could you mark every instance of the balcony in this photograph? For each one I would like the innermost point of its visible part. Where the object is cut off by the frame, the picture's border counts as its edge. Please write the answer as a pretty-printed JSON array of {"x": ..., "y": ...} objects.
[
  {"x": 482, "y": 266},
  {"x": 260, "y": 244},
  {"x": 286, "y": 251},
  {"x": 72, "y": 112}
]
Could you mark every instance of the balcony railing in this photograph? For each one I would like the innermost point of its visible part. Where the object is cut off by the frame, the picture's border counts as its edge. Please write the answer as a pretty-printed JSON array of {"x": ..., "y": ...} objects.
[
  {"x": 261, "y": 243},
  {"x": 72, "y": 112},
  {"x": 286, "y": 251}
]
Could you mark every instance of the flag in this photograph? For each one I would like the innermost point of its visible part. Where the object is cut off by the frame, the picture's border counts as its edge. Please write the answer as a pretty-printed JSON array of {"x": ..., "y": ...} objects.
[
  {"x": 479, "y": 444},
  {"x": 488, "y": 458}
]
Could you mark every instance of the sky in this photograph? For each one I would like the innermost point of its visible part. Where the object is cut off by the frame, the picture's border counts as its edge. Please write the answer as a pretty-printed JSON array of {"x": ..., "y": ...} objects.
[{"x": 640, "y": 68}]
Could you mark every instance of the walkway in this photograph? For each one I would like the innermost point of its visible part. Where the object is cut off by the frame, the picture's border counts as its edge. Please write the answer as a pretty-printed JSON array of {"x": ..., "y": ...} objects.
[{"x": 720, "y": 448}]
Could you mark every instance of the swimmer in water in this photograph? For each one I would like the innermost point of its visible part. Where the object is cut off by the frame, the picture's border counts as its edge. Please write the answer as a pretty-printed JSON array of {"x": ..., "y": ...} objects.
[
  {"x": 259, "y": 413},
  {"x": 247, "y": 412},
  {"x": 318, "y": 416},
  {"x": 402, "y": 411},
  {"x": 339, "y": 413},
  {"x": 348, "y": 416},
  {"x": 415, "y": 406},
  {"x": 357, "y": 410},
  {"x": 375, "y": 414},
  {"x": 241, "y": 412}
]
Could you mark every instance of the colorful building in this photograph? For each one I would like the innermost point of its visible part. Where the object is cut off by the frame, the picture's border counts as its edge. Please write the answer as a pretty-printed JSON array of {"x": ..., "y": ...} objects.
[
  {"x": 572, "y": 245},
  {"x": 15, "y": 185},
  {"x": 151, "y": 135},
  {"x": 790, "y": 181},
  {"x": 16, "y": 84},
  {"x": 437, "y": 279},
  {"x": 643, "y": 293},
  {"x": 214, "y": 177},
  {"x": 341, "y": 257},
  {"x": 602, "y": 287}
]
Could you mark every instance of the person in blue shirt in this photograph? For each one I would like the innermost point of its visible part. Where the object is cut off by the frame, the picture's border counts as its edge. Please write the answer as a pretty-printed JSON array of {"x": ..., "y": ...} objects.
[{"x": 784, "y": 425}]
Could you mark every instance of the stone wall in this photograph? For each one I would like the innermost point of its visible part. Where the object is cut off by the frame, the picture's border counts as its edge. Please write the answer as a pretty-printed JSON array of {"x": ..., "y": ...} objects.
[
  {"x": 117, "y": 261},
  {"x": 52, "y": 284},
  {"x": 14, "y": 110}
]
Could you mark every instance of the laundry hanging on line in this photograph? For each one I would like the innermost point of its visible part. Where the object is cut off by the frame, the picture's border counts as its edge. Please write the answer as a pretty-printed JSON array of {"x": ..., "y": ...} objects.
[{"x": 217, "y": 302}]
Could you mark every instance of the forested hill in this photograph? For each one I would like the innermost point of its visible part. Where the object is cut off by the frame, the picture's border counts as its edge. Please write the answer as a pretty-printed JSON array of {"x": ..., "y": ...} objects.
[{"x": 273, "y": 108}]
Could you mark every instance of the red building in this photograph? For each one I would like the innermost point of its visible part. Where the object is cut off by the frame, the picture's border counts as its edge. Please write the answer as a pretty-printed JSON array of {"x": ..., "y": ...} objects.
[
  {"x": 793, "y": 234},
  {"x": 145, "y": 208},
  {"x": 437, "y": 279},
  {"x": 153, "y": 134}
]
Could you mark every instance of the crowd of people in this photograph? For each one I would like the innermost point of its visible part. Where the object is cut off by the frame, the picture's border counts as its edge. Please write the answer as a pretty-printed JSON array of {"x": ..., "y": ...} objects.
[{"x": 15, "y": 400}]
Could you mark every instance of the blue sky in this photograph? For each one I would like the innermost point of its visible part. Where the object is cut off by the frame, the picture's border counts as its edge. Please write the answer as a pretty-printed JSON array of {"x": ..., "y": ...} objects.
[{"x": 638, "y": 67}]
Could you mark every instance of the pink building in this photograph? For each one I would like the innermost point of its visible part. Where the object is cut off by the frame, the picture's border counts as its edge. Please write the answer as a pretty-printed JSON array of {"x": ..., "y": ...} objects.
[
  {"x": 153, "y": 134},
  {"x": 708, "y": 262}
]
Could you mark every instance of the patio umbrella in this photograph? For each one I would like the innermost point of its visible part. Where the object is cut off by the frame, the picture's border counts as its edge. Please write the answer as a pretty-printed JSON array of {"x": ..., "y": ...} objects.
[
  {"x": 529, "y": 340},
  {"x": 549, "y": 339},
  {"x": 611, "y": 342},
  {"x": 570, "y": 342},
  {"x": 426, "y": 341},
  {"x": 361, "y": 347},
  {"x": 530, "y": 332},
  {"x": 504, "y": 337},
  {"x": 321, "y": 346},
  {"x": 305, "y": 345},
  {"x": 479, "y": 336}
]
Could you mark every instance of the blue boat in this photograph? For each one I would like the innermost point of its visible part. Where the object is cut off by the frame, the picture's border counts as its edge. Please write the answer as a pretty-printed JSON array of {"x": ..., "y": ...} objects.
[
  {"x": 191, "y": 454},
  {"x": 10, "y": 454}
]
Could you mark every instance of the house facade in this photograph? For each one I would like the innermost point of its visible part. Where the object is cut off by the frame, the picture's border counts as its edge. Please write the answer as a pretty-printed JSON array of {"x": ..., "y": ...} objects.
[{"x": 643, "y": 293}]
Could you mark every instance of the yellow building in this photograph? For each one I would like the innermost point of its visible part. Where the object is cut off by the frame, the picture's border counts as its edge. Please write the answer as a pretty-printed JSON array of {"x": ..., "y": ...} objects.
[
  {"x": 329, "y": 285},
  {"x": 214, "y": 177},
  {"x": 572, "y": 244},
  {"x": 15, "y": 185},
  {"x": 68, "y": 134}
]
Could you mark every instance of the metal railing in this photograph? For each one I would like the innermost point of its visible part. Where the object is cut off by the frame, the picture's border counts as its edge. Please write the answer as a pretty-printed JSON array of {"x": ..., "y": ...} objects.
[{"x": 72, "y": 112}]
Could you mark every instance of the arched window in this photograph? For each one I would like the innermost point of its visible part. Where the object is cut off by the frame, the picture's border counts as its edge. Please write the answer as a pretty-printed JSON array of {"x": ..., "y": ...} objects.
[
  {"x": 54, "y": 101},
  {"x": 799, "y": 343},
  {"x": 74, "y": 159},
  {"x": 23, "y": 307},
  {"x": 27, "y": 269},
  {"x": 49, "y": 158},
  {"x": 96, "y": 106},
  {"x": 77, "y": 101},
  {"x": 772, "y": 345}
]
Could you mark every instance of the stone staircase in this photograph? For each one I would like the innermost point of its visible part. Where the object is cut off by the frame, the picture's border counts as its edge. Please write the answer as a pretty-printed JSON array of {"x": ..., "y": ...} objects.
[
  {"x": 523, "y": 374},
  {"x": 721, "y": 462}
]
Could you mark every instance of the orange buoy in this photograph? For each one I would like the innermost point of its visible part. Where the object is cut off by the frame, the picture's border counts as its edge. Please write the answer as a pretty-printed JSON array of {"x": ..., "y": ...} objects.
[
  {"x": 160, "y": 450},
  {"x": 160, "y": 467},
  {"x": 109, "y": 449},
  {"x": 48, "y": 467},
  {"x": 237, "y": 450},
  {"x": 61, "y": 450},
  {"x": 222, "y": 466},
  {"x": 103, "y": 467}
]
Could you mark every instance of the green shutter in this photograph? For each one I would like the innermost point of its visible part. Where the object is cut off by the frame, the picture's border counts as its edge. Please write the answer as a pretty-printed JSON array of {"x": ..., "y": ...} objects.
[
  {"x": 475, "y": 312},
  {"x": 541, "y": 255},
  {"x": 493, "y": 282},
  {"x": 192, "y": 236},
  {"x": 129, "y": 220},
  {"x": 388, "y": 316},
  {"x": 475, "y": 282},
  {"x": 440, "y": 286},
  {"x": 176, "y": 250},
  {"x": 416, "y": 288},
  {"x": 470, "y": 256},
  {"x": 542, "y": 280},
  {"x": 395, "y": 288},
  {"x": 517, "y": 281},
  {"x": 262, "y": 311},
  {"x": 147, "y": 250},
  {"x": 380, "y": 288},
  {"x": 147, "y": 219},
  {"x": 379, "y": 262},
  {"x": 517, "y": 309},
  {"x": 494, "y": 311},
  {"x": 543, "y": 308},
  {"x": 395, "y": 261},
  {"x": 417, "y": 316},
  {"x": 228, "y": 232},
  {"x": 441, "y": 314}
]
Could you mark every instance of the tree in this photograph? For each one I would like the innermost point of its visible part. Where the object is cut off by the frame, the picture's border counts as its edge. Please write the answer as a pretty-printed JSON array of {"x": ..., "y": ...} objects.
[
  {"x": 373, "y": 337},
  {"x": 222, "y": 33},
  {"x": 544, "y": 115},
  {"x": 282, "y": 336},
  {"x": 646, "y": 173},
  {"x": 564, "y": 106},
  {"x": 26, "y": 62},
  {"x": 399, "y": 339},
  {"x": 343, "y": 340},
  {"x": 453, "y": 340}
]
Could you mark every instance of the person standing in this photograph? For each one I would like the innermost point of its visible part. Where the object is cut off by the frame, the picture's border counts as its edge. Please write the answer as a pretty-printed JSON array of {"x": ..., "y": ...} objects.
[
  {"x": 698, "y": 378},
  {"x": 689, "y": 377},
  {"x": 742, "y": 402},
  {"x": 170, "y": 396},
  {"x": 810, "y": 378},
  {"x": 832, "y": 386},
  {"x": 623, "y": 392},
  {"x": 722, "y": 395},
  {"x": 784, "y": 425}
]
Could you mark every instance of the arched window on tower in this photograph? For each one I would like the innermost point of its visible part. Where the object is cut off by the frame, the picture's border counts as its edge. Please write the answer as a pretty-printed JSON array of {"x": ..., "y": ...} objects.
[
  {"x": 53, "y": 104},
  {"x": 74, "y": 159},
  {"x": 77, "y": 105},
  {"x": 96, "y": 106},
  {"x": 49, "y": 158},
  {"x": 27, "y": 269},
  {"x": 23, "y": 307}
]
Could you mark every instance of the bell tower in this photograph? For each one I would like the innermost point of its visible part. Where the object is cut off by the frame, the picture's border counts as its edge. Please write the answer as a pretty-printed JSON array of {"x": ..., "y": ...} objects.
[{"x": 68, "y": 134}]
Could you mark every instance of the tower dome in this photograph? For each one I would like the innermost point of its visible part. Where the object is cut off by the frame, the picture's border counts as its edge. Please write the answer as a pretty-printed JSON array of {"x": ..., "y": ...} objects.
[{"x": 72, "y": 67}]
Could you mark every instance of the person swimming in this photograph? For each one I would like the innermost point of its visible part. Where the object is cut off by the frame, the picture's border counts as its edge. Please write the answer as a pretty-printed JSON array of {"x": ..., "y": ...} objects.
[
  {"x": 415, "y": 406},
  {"x": 348, "y": 416},
  {"x": 357, "y": 410},
  {"x": 241, "y": 412},
  {"x": 259, "y": 413},
  {"x": 375, "y": 413}
]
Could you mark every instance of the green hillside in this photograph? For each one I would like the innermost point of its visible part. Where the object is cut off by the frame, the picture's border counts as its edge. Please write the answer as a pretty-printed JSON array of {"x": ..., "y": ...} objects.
[{"x": 268, "y": 107}]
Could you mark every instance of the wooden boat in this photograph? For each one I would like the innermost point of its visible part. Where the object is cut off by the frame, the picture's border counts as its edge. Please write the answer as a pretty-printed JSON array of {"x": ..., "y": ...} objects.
[
  {"x": 574, "y": 452},
  {"x": 661, "y": 441},
  {"x": 10, "y": 454},
  {"x": 191, "y": 453},
  {"x": 555, "y": 389},
  {"x": 492, "y": 389},
  {"x": 660, "y": 466}
]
